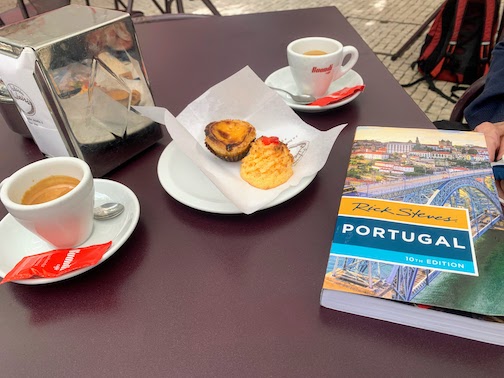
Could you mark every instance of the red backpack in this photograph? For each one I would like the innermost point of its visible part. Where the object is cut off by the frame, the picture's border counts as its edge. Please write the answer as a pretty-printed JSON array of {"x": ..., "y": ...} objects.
[{"x": 458, "y": 45}]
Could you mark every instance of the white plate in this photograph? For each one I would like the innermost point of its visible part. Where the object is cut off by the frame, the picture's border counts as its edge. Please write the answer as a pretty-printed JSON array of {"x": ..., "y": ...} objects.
[
  {"x": 184, "y": 181},
  {"x": 282, "y": 78},
  {"x": 17, "y": 242}
]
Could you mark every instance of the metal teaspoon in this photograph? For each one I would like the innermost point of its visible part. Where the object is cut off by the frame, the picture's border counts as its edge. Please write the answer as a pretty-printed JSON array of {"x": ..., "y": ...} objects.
[
  {"x": 108, "y": 210},
  {"x": 302, "y": 99}
]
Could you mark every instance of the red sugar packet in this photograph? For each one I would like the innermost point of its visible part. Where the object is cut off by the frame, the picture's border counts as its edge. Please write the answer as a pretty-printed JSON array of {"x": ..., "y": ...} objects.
[
  {"x": 56, "y": 262},
  {"x": 338, "y": 95}
]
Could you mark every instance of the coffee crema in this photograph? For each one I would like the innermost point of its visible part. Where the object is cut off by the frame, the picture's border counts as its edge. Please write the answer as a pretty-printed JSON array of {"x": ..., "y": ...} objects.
[
  {"x": 49, "y": 189},
  {"x": 315, "y": 52}
]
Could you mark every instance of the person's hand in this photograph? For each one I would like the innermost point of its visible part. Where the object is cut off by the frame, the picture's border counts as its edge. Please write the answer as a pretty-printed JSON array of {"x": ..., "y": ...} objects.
[
  {"x": 499, "y": 184},
  {"x": 494, "y": 136}
]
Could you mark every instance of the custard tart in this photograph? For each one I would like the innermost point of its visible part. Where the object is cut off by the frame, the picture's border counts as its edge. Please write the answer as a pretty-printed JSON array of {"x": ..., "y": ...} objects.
[{"x": 229, "y": 139}]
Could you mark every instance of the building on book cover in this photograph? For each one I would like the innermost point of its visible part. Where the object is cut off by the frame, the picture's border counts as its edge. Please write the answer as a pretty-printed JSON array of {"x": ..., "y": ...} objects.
[{"x": 420, "y": 221}]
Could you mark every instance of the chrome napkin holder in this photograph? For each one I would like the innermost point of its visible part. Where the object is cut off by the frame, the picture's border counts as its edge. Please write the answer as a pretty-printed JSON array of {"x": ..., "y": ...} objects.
[{"x": 75, "y": 74}]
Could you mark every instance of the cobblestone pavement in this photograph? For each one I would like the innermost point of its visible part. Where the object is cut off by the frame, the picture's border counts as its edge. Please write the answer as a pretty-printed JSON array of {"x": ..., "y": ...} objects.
[{"x": 384, "y": 24}]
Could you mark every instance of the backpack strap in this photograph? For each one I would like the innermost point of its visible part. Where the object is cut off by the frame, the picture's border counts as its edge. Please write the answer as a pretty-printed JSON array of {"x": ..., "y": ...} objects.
[
  {"x": 452, "y": 44},
  {"x": 458, "y": 87},
  {"x": 435, "y": 32},
  {"x": 433, "y": 88},
  {"x": 414, "y": 82},
  {"x": 487, "y": 40},
  {"x": 459, "y": 16}
]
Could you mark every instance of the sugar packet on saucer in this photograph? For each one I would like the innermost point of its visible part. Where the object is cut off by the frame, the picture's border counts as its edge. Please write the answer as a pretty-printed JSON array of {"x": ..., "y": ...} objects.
[
  {"x": 244, "y": 96},
  {"x": 56, "y": 262},
  {"x": 338, "y": 96}
]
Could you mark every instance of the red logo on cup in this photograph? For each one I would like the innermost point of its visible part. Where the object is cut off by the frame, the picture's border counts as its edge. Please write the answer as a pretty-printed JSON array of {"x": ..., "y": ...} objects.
[{"x": 325, "y": 70}]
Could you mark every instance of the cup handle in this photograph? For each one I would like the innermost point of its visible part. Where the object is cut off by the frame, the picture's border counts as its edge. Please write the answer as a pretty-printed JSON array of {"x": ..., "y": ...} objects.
[{"x": 349, "y": 50}]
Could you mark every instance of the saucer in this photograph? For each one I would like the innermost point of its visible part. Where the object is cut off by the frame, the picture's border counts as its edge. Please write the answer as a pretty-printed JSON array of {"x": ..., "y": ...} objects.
[
  {"x": 185, "y": 182},
  {"x": 283, "y": 79},
  {"x": 17, "y": 242}
]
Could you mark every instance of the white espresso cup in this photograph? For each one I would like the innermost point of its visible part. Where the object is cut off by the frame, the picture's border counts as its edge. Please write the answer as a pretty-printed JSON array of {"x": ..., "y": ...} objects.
[
  {"x": 315, "y": 62},
  {"x": 66, "y": 221}
]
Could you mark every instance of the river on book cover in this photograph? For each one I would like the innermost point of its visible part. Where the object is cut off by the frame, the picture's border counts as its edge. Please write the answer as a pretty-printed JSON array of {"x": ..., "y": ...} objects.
[{"x": 439, "y": 167}]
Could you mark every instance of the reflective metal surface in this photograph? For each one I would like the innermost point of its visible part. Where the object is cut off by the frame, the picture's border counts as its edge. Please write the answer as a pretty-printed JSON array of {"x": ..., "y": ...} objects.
[{"x": 90, "y": 72}]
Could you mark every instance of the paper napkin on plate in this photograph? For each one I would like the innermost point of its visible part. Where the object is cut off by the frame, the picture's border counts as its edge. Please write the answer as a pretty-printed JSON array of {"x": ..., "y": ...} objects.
[{"x": 245, "y": 96}]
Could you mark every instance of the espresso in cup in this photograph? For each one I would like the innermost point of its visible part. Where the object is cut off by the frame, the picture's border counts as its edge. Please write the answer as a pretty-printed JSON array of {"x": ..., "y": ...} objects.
[
  {"x": 49, "y": 189},
  {"x": 315, "y": 62},
  {"x": 315, "y": 52},
  {"x": 53, "y": 198}
]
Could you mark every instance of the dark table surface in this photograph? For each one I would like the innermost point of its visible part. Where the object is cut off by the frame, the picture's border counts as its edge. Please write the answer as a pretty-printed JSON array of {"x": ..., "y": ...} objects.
[{"x": 199, "y": 294}]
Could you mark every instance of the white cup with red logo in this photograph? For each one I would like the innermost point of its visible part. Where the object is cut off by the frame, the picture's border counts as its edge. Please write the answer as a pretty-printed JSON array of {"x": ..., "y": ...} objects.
[{"x": 316, "y": 62}]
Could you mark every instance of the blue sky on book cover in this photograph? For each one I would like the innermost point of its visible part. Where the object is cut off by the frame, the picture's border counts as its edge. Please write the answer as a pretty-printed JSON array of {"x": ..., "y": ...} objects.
[{"x": 420, "y": 221}]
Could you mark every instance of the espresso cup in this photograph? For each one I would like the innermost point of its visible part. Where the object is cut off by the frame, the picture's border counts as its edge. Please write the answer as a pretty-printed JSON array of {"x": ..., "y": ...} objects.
[
  {"x": 315, "y": 62},
  {"x": 65, "y": 219}
]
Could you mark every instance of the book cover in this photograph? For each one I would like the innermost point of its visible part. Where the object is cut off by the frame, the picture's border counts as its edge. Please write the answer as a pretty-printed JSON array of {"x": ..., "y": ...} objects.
[{"x": 420, "y": 224}]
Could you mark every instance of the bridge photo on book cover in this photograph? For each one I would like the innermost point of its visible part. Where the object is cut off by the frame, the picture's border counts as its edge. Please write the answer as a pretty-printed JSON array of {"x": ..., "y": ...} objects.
[{"x": 420, "y": 221}]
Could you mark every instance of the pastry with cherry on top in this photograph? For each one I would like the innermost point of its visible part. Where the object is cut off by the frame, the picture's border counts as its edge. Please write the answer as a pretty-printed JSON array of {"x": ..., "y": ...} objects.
[{"x": 268, "y": 163}]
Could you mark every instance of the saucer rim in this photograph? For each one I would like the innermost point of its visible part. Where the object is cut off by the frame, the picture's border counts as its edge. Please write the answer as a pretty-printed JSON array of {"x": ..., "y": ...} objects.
[
  {"x": 133, "y": 203},
  {"x": 316, "y": 108}
]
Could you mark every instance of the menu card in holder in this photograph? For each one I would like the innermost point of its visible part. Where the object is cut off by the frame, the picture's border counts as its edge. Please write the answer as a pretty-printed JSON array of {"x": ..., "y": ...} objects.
[{"x": 75, "y": 74}]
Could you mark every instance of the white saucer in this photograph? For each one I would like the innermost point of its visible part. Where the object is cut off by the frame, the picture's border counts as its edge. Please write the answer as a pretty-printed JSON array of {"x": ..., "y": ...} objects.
[
  {"x": 184, "y": 181},
  {"x": 282, "y": 78},
  {"x": 17, "y": 242}
]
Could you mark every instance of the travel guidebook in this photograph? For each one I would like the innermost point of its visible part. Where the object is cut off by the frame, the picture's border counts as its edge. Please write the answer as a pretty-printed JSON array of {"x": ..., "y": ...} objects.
[{"x": 419, "y": 237}]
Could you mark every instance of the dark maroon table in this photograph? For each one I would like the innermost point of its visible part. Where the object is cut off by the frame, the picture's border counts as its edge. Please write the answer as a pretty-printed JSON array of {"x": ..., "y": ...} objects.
[{"x": 198, "y": 294}]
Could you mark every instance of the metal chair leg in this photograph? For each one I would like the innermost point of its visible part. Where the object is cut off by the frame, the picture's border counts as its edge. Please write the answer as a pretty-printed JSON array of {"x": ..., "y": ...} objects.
[
  {"x": 129, "y": 8},
  {"x": 158, "y": 6},
  {"x": 416, "y": 35},
  {"x": 180, "y": 6},
  {"x": 22, "y": 8},
  {"x": 119, "y": 2},
  {"x": 168, "y": 4},
  {"x": 208, "y": 3},
  {"x": 212, "y": 8}
]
